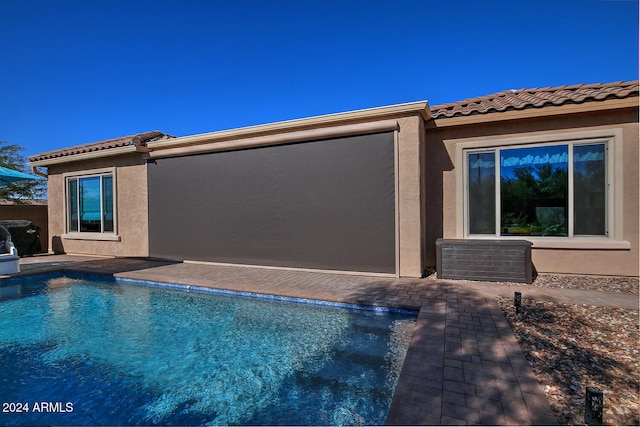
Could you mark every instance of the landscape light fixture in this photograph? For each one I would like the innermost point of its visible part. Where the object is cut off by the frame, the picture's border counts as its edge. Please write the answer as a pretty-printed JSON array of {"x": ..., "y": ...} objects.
[
  {"x": 593, "y": 406},
  {"x": 517, "y": 301}
]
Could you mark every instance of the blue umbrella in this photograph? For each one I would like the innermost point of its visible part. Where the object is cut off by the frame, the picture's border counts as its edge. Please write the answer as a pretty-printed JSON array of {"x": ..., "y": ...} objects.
[{"x": 8, "y": 176}]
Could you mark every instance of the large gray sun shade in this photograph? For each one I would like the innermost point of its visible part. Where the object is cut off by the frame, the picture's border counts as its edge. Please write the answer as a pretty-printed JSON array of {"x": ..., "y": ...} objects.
[{"x": 326, "y": 204}]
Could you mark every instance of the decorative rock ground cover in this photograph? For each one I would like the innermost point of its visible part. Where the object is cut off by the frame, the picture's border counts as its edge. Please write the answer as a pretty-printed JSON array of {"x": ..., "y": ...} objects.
[{"x": 571, "y": 347}]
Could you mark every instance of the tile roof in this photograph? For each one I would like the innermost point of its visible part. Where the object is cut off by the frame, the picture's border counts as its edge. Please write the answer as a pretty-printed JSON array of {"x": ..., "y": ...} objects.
[
  {"x": 522, "y": 99},
  {"x": 139, "y": 140},
  {"x": 508, "y": 100}
]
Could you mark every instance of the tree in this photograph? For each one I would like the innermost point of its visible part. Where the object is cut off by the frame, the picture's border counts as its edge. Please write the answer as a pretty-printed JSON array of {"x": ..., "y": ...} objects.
[
  {"x": 533, "y": 198},
  {"x": 22, "y": 192}
]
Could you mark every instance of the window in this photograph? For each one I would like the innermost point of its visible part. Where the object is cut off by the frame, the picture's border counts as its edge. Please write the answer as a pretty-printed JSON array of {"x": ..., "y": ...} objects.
[
  {"x": 540, "y": 190},
  {"x": 90, "y": 204}
]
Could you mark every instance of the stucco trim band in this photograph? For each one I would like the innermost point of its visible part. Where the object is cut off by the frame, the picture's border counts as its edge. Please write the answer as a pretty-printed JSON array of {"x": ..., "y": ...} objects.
[
  {"x": 420, "y": 107},
  {"x": 169, "y": 149}
]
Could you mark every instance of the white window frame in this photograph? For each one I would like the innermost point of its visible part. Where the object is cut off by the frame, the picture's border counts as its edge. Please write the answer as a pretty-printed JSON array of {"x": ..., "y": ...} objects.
[
  {"x": 79, "y": 235},
  {"x": 612, "y": 138}
]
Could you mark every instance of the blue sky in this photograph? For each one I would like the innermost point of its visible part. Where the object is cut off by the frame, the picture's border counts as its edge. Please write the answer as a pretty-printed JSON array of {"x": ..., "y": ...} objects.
[{"x": 75, "y": 72}]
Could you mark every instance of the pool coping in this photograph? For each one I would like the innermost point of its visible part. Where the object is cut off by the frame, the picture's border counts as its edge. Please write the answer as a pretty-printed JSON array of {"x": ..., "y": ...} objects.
[
  {"x": 406, "y": 310},
  {"x": 271, "y": 297},
  {"x": 463, "y": 366}
]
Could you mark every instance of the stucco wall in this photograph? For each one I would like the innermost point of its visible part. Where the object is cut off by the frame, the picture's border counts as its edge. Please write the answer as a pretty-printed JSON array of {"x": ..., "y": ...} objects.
[
  {"x": 131, "y": 206},
  {"x": 447, "y": 212},
  {"x": 411, "y": 203}
]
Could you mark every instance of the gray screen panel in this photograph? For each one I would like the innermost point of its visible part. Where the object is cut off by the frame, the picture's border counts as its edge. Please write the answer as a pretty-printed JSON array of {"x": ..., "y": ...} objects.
[{"x": 326, "y": 204}]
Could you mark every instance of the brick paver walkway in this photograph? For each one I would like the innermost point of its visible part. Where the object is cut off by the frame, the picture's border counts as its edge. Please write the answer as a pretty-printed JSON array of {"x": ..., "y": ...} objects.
[{"x": 464, "y": 365}]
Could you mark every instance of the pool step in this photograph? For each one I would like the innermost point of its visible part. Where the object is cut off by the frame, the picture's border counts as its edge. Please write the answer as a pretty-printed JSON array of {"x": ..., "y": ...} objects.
[
  {"x": 344, "y": 372},
  {"x": 362, "y": 348},
  {"x": 317, "y": 381}
]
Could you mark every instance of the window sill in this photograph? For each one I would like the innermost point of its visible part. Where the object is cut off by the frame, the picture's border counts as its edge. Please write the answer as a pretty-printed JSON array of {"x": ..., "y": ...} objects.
[
  {"x": 92, "y": 236},
  {"x": 565, "y": 242}
]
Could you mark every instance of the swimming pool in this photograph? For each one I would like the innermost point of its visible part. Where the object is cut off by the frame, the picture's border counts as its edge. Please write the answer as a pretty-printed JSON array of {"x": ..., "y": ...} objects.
[{"x": 76, "y": 351}]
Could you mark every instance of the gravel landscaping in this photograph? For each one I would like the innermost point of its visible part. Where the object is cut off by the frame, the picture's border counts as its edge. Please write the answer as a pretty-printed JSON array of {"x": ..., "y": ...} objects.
[
  {"x": 574, "y": 346},
  {"x": 591, "y": 283}
]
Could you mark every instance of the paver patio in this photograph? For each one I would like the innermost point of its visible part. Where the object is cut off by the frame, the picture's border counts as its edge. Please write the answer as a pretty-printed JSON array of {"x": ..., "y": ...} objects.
[{"x": 464, "y": 365}]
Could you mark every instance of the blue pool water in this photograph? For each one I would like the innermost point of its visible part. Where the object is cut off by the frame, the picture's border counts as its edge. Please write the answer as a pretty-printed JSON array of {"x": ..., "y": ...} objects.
[{"x": 102, "y": 352}]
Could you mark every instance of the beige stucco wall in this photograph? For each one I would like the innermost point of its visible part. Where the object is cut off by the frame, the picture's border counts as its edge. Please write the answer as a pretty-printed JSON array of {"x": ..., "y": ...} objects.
[
  {"x": 411, "y": 205},
  {"x": 131, "y": 206},
  {"x": 442, "y": 145}
]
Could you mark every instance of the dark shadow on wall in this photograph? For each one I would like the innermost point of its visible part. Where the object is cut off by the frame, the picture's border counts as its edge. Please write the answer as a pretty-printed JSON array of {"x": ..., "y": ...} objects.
[{"x": 437, "y": 162}]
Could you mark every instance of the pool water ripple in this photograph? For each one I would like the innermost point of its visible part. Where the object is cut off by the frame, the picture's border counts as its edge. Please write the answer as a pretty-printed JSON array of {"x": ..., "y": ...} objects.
[{"x": 127, "y": 354}]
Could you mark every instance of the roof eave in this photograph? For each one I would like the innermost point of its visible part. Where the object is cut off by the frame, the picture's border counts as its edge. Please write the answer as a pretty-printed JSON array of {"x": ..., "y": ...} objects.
[
  {"x": 127, "y": 149},
  {"x": 534, "y": 112}
]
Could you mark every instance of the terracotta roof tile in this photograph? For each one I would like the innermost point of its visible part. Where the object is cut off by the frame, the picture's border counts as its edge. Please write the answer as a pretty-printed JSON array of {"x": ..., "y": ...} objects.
[
  {"x": 140, "y": 140},
  {"x": 535, "y": 98},
  {"x": 498, "y": 102}
]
